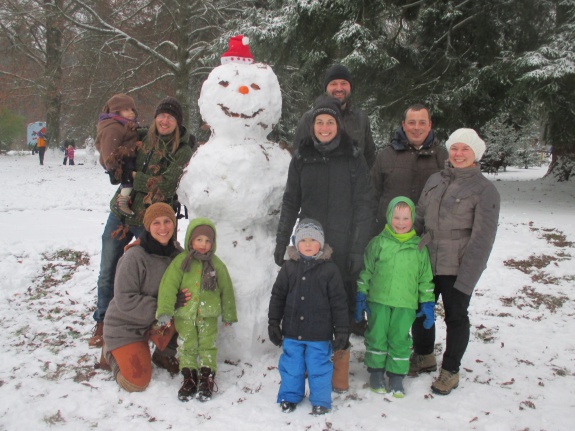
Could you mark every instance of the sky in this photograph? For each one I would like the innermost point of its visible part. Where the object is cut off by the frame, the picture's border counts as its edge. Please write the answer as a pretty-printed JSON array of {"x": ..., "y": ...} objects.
[{"x": 517, "y": 373}]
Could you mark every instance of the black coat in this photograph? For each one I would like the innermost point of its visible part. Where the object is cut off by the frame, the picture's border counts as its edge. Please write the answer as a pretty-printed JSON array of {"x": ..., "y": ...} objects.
[
  {"x": 334, "y": 189},
  {"x": 309, "y": 298}
]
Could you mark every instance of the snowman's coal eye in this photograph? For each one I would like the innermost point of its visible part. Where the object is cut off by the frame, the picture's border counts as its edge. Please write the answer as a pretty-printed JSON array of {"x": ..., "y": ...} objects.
[
  {"x": 255, "y": 86},
  {"x": 224, "y": 83}
]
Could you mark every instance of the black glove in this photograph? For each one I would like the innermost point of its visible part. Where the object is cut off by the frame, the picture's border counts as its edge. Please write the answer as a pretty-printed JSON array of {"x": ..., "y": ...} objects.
[
  {"x": 275, "y": 333},
  {"x": 279, "y": 254},
  {"x": 340, "y": 340},
  {"x": 354, "y": 263},
  {"x": 182, "y": 298}
]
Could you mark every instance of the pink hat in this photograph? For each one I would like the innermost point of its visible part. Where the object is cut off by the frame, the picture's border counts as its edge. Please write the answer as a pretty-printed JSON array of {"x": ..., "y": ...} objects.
[{"x": 238, "y": 51}]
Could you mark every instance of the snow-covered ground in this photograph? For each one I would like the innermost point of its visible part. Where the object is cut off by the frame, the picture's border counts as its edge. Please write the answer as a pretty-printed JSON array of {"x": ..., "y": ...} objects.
[{"x": 517, "y": 373}]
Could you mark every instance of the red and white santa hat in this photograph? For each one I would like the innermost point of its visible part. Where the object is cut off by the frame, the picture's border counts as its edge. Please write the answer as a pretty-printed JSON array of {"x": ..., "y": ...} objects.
[{"x": 238, "y": 51}]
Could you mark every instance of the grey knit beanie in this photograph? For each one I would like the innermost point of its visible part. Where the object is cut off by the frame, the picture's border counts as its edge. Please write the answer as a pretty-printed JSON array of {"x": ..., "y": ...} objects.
[{"x": 309, "y": 228}]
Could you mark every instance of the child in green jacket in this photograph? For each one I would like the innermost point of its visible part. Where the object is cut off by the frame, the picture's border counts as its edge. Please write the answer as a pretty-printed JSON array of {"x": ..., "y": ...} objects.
[
  {"x": 212, "y": 294},
  {"x": 396, "y": 278}
]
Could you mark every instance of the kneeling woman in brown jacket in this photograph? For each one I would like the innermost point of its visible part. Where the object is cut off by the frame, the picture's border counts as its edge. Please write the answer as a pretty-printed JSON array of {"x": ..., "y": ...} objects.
[{"x": 457, "y": 216}]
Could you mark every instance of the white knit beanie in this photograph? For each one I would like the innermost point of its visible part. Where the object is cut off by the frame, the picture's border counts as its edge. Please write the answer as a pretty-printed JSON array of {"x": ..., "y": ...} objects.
[
  {"x": 468, "y": 137},
  {"x": 309, "y": 228}
]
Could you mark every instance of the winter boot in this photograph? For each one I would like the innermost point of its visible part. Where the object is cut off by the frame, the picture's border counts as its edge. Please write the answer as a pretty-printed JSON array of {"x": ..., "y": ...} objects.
[
  {"x": 207, "y": 384},
  {"x": 170, "y": 363},
  {"x": 287, "y": 407},
  {"x": 421, "y": 364},
  {"x": 97, "y": 339},
  {"x": 319, "y": 410},
  {"x": 445, "y": 383},
  {"x": 377, "y": 380},
  {"x": 340, "y": 378},
  {"x": 121, "y": 205},
  {"x": 396, "y": 385},
  {"x": 189, "y": 386},
  {"x": 103, "y": 363}
]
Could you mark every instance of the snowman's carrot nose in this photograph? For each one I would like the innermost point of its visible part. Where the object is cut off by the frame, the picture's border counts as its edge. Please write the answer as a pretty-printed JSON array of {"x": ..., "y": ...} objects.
[{"x": 243, "y": 89}]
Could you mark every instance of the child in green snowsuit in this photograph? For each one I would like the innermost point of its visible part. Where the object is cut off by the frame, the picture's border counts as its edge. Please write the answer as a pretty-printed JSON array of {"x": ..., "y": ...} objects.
[
  {"x": 212, "y": 294},
  {"x": 396, "y": 278}
]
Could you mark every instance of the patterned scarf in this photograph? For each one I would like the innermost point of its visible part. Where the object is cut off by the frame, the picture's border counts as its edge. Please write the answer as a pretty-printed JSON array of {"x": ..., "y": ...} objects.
[{"x": 208, "y": 270}]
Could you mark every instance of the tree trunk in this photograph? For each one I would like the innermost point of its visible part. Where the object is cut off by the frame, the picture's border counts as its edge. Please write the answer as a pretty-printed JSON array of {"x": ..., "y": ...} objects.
[{"x": 53, "y": 70}]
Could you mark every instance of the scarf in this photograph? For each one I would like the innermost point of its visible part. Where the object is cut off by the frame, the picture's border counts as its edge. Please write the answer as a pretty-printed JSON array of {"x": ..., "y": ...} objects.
[
  {"x": 401, "y": 237},
  {"x": 208, "y": 270},
  {"x": 327, "y": 147},
  {"x": 118, "y": 118},
  {"x": 151, "y": 246}
]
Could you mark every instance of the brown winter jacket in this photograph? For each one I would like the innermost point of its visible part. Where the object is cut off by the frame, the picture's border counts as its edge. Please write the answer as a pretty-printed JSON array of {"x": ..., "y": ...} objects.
[
  {"x": 115, "y": 141},
  {"x": 133, "y": 308},
  {"x": 401, "y": 170},
  {"x": 457, "y": 213}
]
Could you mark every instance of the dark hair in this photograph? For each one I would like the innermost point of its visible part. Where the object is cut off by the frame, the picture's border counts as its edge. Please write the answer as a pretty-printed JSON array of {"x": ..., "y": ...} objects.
[{"x": 416, "y": 107}]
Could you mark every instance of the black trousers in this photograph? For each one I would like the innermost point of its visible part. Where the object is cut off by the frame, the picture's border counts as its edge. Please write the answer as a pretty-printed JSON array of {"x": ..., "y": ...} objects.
[{"x": 455, "y": 304}]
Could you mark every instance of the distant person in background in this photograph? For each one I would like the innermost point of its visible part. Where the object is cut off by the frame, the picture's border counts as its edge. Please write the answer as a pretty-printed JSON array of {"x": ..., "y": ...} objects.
[
  {"x": 338, "y": 83},
  {"x": 457, "y": 218},
  {"x": 41, "y": 147},
  {"x": 70, "y": 154}
]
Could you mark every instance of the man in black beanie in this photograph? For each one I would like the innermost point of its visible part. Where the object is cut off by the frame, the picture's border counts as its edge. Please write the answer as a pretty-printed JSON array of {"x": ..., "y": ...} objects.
[{"x": 338, "y": 83}]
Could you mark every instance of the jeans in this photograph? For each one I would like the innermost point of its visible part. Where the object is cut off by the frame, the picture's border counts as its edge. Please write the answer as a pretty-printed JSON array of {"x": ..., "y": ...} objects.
[
  {"x": 455, "y": 304},
  {"x": 112, "y": 251}
]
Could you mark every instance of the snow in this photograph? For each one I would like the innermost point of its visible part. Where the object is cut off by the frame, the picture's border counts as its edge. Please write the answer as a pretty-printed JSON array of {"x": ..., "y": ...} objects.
[{"x": 517, "y": 373}]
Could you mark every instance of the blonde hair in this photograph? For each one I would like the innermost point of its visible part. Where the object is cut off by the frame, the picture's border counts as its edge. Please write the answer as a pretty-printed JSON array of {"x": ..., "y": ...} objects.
[{"x": 154, "y": 137}]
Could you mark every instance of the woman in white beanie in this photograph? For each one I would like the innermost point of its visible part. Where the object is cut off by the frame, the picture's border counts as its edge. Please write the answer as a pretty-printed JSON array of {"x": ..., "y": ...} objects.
[{"x": 457, "y": 216}]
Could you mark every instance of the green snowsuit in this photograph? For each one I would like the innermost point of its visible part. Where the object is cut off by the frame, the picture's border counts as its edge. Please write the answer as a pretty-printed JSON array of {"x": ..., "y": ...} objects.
[
  {"x": 197, "y": 322},
  {"x": 396, "y": 278}
]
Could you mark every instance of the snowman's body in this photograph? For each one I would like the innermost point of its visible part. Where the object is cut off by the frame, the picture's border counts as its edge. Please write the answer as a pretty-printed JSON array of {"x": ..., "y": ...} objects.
[{"x": 237, "y": 180}]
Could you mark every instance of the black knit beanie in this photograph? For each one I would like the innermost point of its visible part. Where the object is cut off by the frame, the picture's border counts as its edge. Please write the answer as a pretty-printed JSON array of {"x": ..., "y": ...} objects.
[
  {"x": 327, "y": 105},
  {"x": 171, "y": 106},
  {"x": 337, "y": 71}
]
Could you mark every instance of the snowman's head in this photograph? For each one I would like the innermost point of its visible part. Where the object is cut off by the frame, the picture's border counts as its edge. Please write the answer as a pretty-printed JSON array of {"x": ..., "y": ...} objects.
[{"x": 241, "y": 100}]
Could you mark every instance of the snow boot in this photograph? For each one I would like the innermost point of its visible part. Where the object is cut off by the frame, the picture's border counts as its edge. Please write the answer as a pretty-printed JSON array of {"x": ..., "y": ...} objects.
[
  {"x": 103, "y": 363},
  {"x": 207, "y": 384},
  {"x": 340, "y": 378},
  {"x": 122, "y": 205},
  {"x": 377, "y": 380},
  {"x": 97, "y": 339},
  {"x": 421, "y": 364},
  {"x": 319, "y": 410},
  {"x": 189, "y": 387},
  {"x": 170, "y": 363},
  {"x": 396, "y": 385},
  {"x": 445, "y": 383},
  {"x": 287, "y": 407}
]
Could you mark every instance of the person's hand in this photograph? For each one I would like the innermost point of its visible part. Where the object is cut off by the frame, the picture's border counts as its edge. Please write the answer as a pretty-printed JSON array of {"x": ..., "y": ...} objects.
[
  {"x": 361, "y": 306},
  {"x": 226, "y": 324},
  {"x": 340, "y": 340},
  {"x": 427, "y": 309},
  {"x": 354, "y": 263},
  {"x": 164, "y": 320},
  {"x": 279, "y": 254},
  {"x": 134, "y": 174},
  {"x": 275, "y": 333},
  {"x": 182, "y": 298}
]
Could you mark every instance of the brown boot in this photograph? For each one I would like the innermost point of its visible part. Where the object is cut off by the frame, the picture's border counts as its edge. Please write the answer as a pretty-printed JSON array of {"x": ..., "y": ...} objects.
[
  {"x": 189, "y": 387},
  {"x": 103, "y": 363},
  {"x": 445, "y": 383},
  {"x": 421, "y": 364},
  {"x": 97, "y": 339},
  {"x": 207, "y": 384},
  {"x": 340, "y": 378},
  {"x": 170, "y": 363}
]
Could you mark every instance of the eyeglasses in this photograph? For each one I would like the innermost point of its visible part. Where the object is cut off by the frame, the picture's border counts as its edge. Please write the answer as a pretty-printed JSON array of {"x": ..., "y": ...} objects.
[{"x": 167, "y": 117}]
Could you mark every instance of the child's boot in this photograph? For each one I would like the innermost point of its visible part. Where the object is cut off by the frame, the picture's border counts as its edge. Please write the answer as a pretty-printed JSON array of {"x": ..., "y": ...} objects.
[
  {"x": 189, "y": 387},
  {"x": 207, "y": 384},
  {"x": 287, "y": 407},
  {"x": 377, "y": 380},
  {"x": 319, "y": 410},
  {"x": 122, "y": 205},
  {"x": 396, "y": 385},
  {"x": 340, "y": 378}
]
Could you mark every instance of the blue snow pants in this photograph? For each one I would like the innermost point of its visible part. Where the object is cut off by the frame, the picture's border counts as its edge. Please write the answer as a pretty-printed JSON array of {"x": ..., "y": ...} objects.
[{"x": 299, "y": 357}]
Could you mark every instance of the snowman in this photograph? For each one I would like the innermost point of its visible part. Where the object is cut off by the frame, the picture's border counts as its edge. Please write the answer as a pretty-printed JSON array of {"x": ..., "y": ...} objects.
[{"x": 237, "y": 179}]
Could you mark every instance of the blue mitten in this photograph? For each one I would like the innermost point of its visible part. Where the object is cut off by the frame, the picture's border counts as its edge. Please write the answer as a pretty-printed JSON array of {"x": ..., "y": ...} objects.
[
  {"x": 427, "y": 309},
  {"x": 360, "y": 306}
]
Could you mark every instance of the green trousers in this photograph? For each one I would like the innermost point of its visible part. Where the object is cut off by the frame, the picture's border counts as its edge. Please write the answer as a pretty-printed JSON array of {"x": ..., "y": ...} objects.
[
  {"x": 387, "y": 339},
  {"x": 197, "y": 342}
]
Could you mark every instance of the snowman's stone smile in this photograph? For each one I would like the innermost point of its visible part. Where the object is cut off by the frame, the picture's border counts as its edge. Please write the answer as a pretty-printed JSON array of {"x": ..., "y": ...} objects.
[{"x": 229, "y": 113}]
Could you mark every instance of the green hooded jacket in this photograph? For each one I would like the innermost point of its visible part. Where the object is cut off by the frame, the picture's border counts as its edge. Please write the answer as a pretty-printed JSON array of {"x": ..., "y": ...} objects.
[
  {"x": 220, "y": 301},
  {"x": 396, "y": 273}
]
